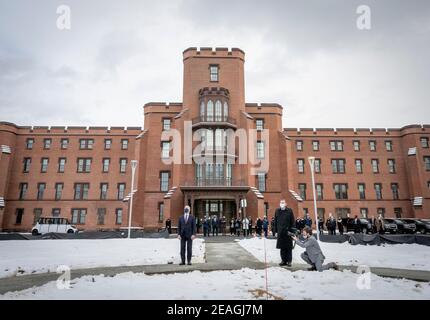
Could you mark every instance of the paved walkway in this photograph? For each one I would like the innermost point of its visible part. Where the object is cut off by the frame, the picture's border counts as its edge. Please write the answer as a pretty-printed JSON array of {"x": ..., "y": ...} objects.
[{"x": 222, "y": 253}]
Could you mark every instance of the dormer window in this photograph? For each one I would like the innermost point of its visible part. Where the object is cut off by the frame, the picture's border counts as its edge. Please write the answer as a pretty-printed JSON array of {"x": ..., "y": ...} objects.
[{"x": 214, "y": 73}]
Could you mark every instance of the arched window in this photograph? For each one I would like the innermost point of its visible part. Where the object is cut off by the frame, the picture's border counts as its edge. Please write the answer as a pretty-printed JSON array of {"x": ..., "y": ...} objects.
[
  {"x": 218, "y": 111},
  {"x": 202, "y": 109},
  {"x": 225, "y": 111},
  {"x": 210, "y": 111}
]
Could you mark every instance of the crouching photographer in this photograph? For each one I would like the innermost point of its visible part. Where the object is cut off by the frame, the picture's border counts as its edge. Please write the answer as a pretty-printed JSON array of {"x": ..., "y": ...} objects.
[{"x": 313, "y": 254}]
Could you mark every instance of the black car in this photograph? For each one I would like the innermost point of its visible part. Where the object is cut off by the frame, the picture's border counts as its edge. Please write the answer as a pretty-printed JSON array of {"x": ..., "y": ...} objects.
[
  {"x": 423, "y": 226},
  {"x": 405, "y": 225},
  {"x": 390, "y": 226},
  {"x": 365, "y": 225}
]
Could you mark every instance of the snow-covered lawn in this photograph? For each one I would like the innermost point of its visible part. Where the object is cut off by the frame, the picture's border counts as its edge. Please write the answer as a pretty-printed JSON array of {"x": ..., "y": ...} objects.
[
  {"x": 35, "y": 256},
  {"x": 403, "y": 256},
  {"x": 239, "y": 284}
]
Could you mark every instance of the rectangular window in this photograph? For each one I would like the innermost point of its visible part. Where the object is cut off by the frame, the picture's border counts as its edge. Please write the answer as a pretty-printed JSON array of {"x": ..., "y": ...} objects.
[
  {"x": 398, "y": 213},
  {"x": 108, "y": 144},
  {"x": 64, "y": 143},
  {"x": 375, "y": 165},
  {"x": 160, "y": 212},
  {"x": 23, "y": 187},
  {"x": 427, "y": 163},
  {"x": 302, "y": 190},
  {"x": 364, "y": 212},
  {"x": 84, "y": 165},
  {"x": 342, "y": 212},
  {"x": 19, "y": 213},
  {"x": 336, "y": 145},
  {"x": 261, "y": 181},
  {"x": 424, "y": 142},
  {"x": 27, "y": 163},
  {"x": 40, "y": 190},
  {"x": 44, "y": 164},
  {"x": 259, "y": 124},
  {"x": 106, "y": 163},
  {"x": 47, "y": 143},
  {"x": 317, "y": 165},
  {"x": 260, "y": 150},
  {"x": 118, "y": 216},
  {"x": 124, "y": 144},
  {"x": 86, "y": 144},
  {"x": 29, "y": 143},
  {"x": 299, "y": 145},
  {"x": 121, "y": 191},
  {"x": 362, "y": 191},
  {"x": 78, "y": 216},
  {"x": 378, "y": 191},
  {"x": 359, "y": 165},
  {"x": 372, "y": 145},
  {"x": 58, "y": 190},
  {"x": 341, "y": 191},
  {"x": 164, "y": 181},
  {"x": 338, "y": 165},
  {"x": 56, "y": 212},
  {"x": 81, "y": 191},
  {"x": 103, "y": 191},
  {"x": 266, "y": 209},
  {"x": 391, "y": 165},
  {"x": 389, "y": 145},
  {"x": 37, "y": 213},
  {"x": 301, "y": 165},
  {"x": 166, "y": 124},
  {"x": 122, "y": 165},
  {"x": 356, "y": 145},
  {"x": 381, "y": 211},
  {"x": 61, "y": 164},
  {"x": 165, "y": 150},
  {"x": 319, "y": 191},
  {"x": 101, "y": 212},
  {"x": 214, "y": 73},
  {"x": 395, "y": 190},
  {"x": 315, "y": 145}
]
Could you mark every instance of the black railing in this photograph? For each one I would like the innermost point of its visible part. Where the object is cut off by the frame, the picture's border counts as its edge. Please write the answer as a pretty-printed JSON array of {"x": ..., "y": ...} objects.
[
  {"x": 215, "y": 182},
  {"x": 214, "y": 119}
]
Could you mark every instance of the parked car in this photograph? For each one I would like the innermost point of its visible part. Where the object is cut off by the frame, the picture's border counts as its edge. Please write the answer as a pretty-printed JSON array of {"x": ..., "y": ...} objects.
[
  {"x": 403, "y": 226},
  {"x": 390, "y": 226},
  {"x": 53, "y": 224},
  {"x": 365, "y": 225},
  {"x": 422, "y": 225}
]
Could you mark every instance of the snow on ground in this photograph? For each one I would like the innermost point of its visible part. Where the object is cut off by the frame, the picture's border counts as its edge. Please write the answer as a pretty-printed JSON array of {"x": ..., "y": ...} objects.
[
  {"x": 36, "y": 256},
  {"x": 403, "y": 256},
  {"x": 239, "y": 284}
]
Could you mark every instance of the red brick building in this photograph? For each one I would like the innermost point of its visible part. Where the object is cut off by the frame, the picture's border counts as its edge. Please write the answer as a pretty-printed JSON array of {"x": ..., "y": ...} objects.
[{"x": 210, "y": 151}]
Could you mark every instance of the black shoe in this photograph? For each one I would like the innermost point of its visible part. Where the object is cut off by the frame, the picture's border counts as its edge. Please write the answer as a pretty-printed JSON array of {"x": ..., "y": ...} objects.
[
  {"x": 283, "y": 263},
  {"x": 313, "y": 268},
  {"x": 189, "y": 263},
  {"x": 288, "y": 264},
  {"x": 182, "y": 264}
]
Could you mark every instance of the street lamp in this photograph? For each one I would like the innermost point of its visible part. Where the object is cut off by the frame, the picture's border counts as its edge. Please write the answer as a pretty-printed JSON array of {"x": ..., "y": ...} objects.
[
  {"x": 312, "y": 165},
  {"x": 130, "y": 208}
]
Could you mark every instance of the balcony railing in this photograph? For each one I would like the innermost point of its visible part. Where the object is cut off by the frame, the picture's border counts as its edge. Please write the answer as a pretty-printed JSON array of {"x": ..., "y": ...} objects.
[
  {"x": 221, "y": 182},
  {"x": 214, "y": 120}
]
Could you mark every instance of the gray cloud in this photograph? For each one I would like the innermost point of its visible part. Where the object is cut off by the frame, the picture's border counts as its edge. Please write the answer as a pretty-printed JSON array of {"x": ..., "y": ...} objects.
[{"x": 307, "y": 55}]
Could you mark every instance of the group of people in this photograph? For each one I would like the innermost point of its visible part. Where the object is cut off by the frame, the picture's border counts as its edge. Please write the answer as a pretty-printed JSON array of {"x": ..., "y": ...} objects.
[{"x": 284, "y": 228}]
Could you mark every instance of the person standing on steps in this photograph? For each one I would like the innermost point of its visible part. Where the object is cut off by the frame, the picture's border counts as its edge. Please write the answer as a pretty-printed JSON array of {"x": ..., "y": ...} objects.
[
  {"x": 284, "y": 223},
  {"x": 186, "y": 233}
]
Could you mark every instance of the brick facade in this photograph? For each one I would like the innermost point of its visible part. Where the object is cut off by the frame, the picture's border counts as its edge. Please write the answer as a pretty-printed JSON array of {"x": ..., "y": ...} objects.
[{"x": 210, "y": 76}]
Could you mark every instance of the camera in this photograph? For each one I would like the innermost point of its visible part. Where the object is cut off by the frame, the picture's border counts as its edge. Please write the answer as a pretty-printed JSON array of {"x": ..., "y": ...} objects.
[{"x": 293, "y": 232}]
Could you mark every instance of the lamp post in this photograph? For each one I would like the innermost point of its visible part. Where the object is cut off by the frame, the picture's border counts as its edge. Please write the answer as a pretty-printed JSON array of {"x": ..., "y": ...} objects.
[
  {"x": 312, "y": 165},
  {"x": 130, "y": 208}
]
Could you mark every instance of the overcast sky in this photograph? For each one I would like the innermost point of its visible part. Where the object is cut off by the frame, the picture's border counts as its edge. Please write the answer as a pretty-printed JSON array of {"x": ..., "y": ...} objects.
[{"x": 308, "y": 56}]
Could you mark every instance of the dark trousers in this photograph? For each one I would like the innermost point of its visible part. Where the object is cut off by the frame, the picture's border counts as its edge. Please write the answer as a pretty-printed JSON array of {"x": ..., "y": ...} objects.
[
  {"x": 189, "y": 243},
  {"x": 286, "y": 255},
  {"x": 265, "y": 233},
  {"x": 206, "y": 232},
  {"x": 214, "y": 231}
]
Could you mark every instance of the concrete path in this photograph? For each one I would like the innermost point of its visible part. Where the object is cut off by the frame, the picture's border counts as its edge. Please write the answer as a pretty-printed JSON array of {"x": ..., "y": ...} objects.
[{"x": 222, "y": 253}]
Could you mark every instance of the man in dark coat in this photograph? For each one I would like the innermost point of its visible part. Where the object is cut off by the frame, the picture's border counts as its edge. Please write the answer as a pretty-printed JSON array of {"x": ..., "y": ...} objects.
[
  {"x": 284, "y": 222},
  {"x": 169, "y": 226},
  {"x": 186, "y": 233}
]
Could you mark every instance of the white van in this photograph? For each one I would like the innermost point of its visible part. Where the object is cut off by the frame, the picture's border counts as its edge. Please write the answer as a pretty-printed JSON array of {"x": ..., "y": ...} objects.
[{"x": 53, "y": 224}]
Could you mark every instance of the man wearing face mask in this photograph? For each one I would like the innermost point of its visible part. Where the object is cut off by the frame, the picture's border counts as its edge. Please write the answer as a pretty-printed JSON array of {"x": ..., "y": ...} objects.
[
  {"x": 284, "y": 223},
  {"x": 186, "y": 233}
]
